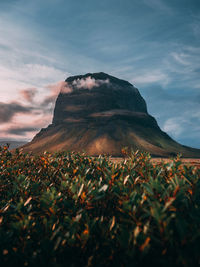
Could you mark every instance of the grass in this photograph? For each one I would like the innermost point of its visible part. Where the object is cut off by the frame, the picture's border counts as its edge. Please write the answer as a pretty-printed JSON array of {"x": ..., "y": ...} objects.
[{"x": 69, "y": 209}]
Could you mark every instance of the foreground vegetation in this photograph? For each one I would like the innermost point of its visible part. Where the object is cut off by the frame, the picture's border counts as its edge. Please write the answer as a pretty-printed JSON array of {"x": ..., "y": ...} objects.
[{"x": 68, "y": 209}]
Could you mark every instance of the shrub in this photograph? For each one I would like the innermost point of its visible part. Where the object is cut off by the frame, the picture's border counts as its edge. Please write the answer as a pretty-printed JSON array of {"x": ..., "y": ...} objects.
[{"x": 69, "y": 209}]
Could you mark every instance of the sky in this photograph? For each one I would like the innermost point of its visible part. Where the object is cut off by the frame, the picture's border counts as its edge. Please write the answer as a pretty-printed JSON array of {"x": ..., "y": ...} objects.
[{"x": 154, "y": 44}]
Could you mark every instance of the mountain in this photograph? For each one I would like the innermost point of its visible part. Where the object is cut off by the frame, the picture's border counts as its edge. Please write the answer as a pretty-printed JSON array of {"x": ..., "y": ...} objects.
[{"x": 100, "y": 114}]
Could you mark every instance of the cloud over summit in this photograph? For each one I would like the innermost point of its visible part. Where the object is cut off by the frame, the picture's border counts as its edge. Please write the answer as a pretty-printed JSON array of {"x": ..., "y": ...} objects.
[{"x": 89, "y": 83}]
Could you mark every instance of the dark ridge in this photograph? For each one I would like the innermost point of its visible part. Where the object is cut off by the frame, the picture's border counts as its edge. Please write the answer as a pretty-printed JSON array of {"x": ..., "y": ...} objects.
[{"x": 99, "y": 76}]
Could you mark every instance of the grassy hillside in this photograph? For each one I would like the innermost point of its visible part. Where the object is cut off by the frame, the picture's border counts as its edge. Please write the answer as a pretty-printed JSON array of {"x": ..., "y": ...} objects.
[{"x": 68, "y": 209}]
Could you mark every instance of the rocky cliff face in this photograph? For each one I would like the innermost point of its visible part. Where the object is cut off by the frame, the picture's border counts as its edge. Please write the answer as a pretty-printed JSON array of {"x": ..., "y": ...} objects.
[
  {"x": 98, "y": 113},
  {"x": 93, "y": 95}
]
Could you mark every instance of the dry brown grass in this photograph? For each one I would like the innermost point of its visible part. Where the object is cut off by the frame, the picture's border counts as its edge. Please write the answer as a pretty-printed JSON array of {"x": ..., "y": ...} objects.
[{"x": 185, "y": 161}]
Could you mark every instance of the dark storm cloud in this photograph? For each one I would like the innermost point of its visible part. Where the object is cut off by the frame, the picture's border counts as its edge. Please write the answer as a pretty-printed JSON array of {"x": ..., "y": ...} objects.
[
  {"x": 8, "y": 110},
  {"x": 22, "y": 131}
]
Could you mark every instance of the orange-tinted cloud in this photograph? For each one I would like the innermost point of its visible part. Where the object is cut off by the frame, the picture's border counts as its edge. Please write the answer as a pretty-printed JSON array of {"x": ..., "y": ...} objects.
[
  {"x": 54, "y": 90},
  {"x": 28, "y": 94}
]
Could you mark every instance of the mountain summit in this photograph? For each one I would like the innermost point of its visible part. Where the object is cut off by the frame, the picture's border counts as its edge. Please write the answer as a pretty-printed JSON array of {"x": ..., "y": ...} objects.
[
  {"x": 93, "y": 96},
  {"x": 100, "y": 114}
]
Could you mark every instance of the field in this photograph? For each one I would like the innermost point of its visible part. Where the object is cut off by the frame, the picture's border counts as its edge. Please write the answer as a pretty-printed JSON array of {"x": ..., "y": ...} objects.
[
  {"x": 184, "y": 161},
  {"x": 69, "y": 209}
]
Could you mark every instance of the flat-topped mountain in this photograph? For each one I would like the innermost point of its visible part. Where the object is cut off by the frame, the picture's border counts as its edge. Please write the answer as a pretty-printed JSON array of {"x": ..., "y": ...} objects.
[{"x": 100, "y": 114}]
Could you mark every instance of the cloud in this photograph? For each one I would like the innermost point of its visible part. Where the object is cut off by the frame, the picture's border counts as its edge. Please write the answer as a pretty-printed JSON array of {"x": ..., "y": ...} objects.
[
  {"x": 159, "y": 5},
  {"x": 21, "y": 131},
  {"x": 184, "y": 129},
  {"x": 54, "y": 90},
  {"x": 16, "y": 80},
  {"x": 178, "y": 115},
  {"x": 180, "y": 58},
  {"x": 25, "y": 126},
  {"x": 20, "y": 121},
  {"x": 89, "y": 83},
  {"x": 36, "y": 73},
  {"x": 41, "y": 72},
  {"x": 184, "y": 60},
  {"x": 62, "y": 87},
  {"x": 174, "y": 126},
  {"x": 150, "y": 76},
  {"x": 29, "y": 94},
  {"x": 24, "y": 61},
  {"x": 66, "y": 88},
  {"x": 9, "y": 110}
]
